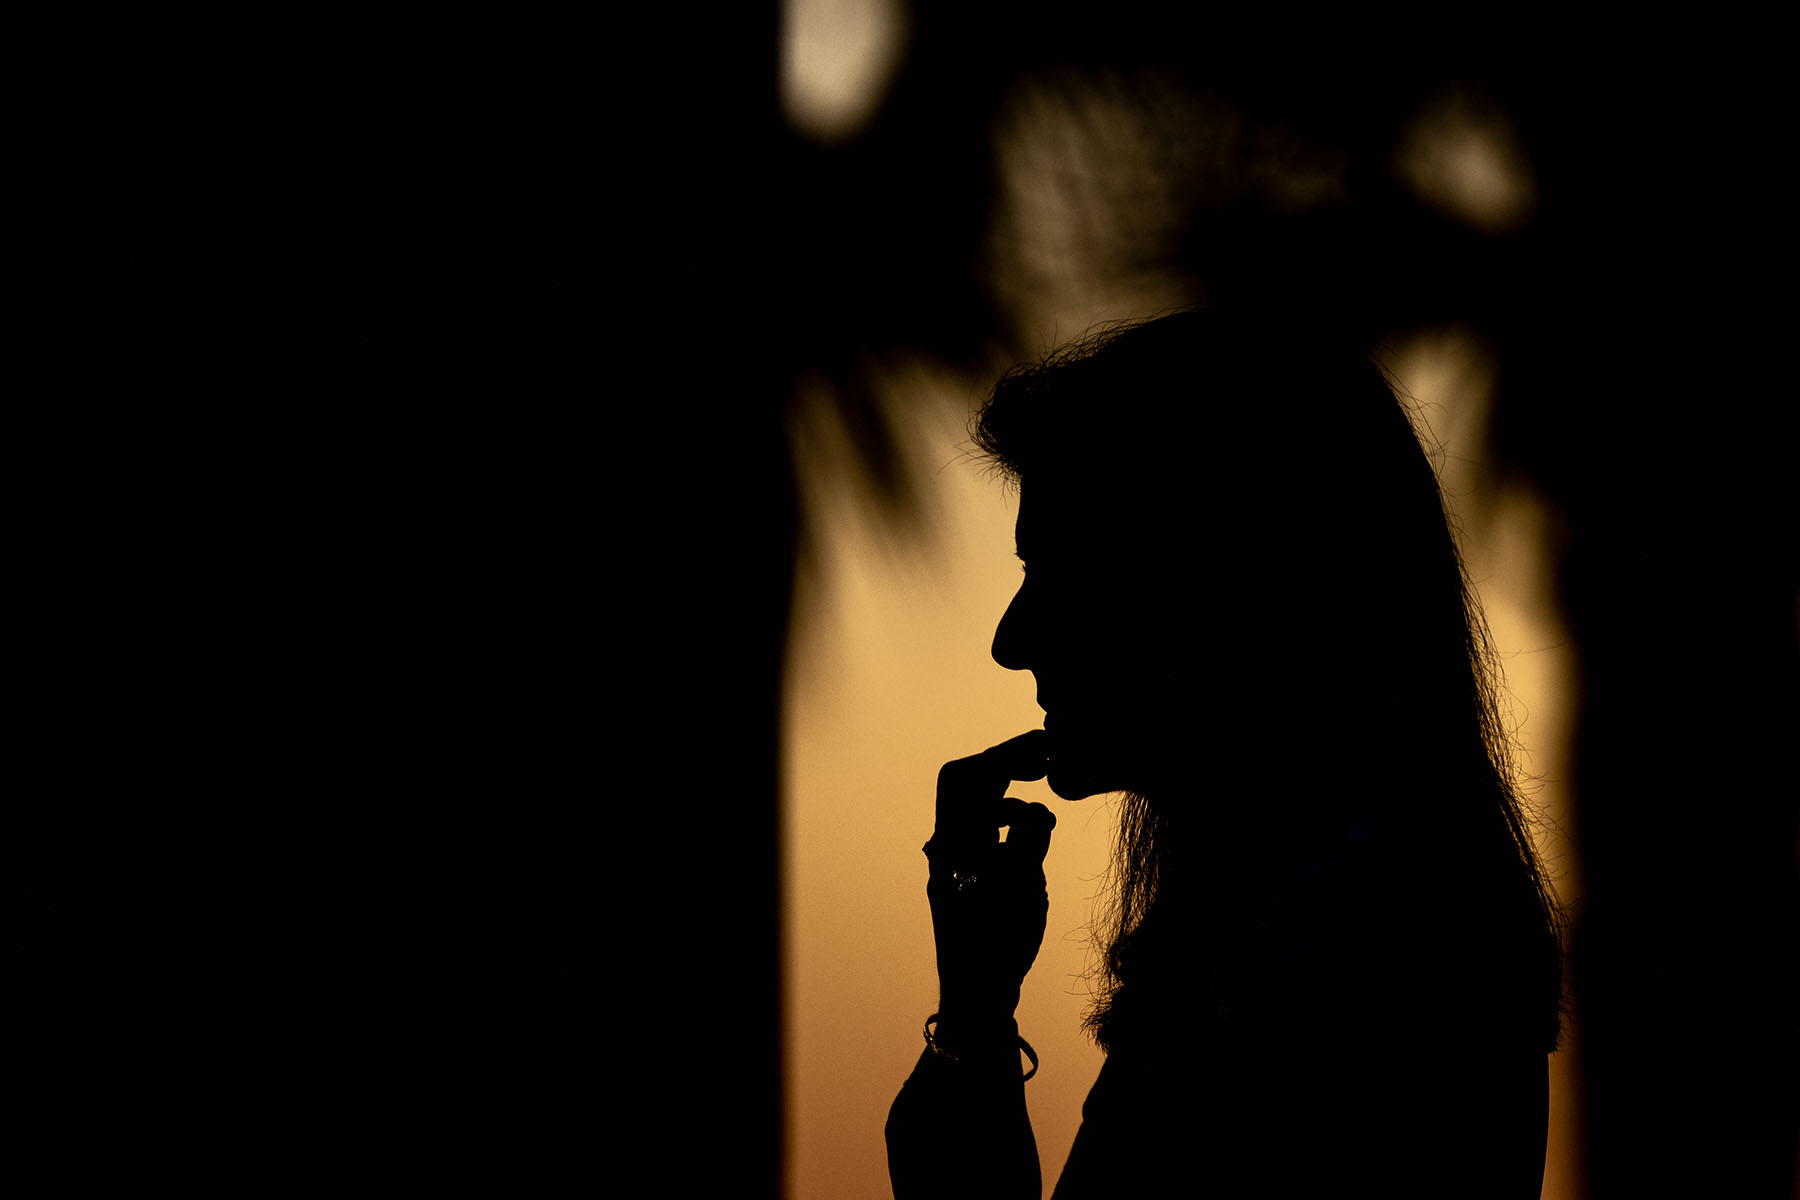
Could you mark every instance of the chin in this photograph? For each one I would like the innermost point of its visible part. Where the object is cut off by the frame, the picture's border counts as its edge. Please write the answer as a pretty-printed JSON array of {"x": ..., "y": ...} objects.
[
  {"x": 1072, "y": 783},
  {"x": 1081, "y": 765}
]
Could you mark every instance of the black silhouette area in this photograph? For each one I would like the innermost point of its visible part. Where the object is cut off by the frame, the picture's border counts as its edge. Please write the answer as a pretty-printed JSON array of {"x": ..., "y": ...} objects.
[{"x": 1333, "y": 964}]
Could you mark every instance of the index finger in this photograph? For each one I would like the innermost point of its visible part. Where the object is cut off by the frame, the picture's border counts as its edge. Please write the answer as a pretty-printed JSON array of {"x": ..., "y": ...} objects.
[{"x": 970, "y": 790}]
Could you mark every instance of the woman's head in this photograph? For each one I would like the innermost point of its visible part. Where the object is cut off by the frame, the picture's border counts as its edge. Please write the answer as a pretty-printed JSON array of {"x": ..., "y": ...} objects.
[
  {"x": 1231, "y": 539},
  {"x": 1244, "y": 607}
]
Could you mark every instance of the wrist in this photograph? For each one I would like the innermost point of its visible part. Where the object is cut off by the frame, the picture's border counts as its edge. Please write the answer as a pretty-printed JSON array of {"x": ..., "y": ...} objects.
[
  {"x": 975, "y": 1034},
  {"x": 981, "y": 1048},
  {"x": 985, "y": 1003}
]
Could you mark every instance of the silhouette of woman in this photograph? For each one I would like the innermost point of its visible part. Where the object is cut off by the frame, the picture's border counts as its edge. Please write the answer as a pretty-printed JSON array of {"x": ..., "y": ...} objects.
[{"x": 1333, "y": 965}]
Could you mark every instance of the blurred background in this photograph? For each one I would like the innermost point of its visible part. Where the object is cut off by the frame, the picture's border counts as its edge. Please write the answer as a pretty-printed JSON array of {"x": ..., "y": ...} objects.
[{"x": 1560, "y": 242}]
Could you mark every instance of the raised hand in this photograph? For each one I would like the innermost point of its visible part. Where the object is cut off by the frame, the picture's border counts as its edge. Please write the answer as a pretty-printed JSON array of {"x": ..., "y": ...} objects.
[{"x": 988, "y": 901}]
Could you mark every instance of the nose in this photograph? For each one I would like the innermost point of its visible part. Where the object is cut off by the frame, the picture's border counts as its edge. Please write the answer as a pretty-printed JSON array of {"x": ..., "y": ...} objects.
[{"x": 1012, "y": 637}]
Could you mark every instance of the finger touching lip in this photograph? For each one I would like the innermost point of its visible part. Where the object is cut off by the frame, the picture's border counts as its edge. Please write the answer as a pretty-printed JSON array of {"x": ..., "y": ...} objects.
[
  {"x": 968, "y": 787},
  {"x": 1022, "y": 757}
]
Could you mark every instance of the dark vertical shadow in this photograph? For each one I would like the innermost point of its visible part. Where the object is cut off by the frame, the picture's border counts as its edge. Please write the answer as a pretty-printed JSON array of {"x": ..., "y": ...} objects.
[
  {"x": 461, "y": 524},
  {"x": 1645, "y": 391}
]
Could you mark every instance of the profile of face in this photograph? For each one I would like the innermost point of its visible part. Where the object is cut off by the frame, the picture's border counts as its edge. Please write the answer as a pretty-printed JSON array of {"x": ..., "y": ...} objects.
[{"x": 1090, "y": 622}]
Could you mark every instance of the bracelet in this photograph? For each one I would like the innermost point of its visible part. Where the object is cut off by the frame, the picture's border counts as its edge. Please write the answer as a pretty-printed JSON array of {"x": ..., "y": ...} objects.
[{"x": 949, "y": 1057}]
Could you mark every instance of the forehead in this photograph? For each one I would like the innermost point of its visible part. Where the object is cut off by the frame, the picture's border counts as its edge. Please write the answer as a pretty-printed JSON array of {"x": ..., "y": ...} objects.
[{"x": 1063, "y": 517}]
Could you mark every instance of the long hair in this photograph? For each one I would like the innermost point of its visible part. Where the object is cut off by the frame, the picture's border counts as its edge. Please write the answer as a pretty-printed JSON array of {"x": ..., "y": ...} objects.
[{"x": 1351, "y": 729}]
